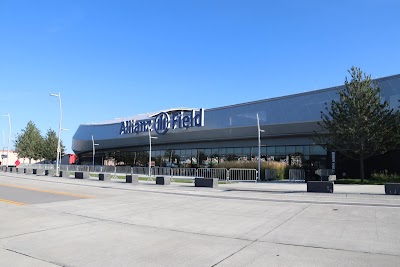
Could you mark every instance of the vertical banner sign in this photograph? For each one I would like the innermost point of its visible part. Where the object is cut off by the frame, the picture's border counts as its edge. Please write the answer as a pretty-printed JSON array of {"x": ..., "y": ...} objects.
[{"x": 333, "y": 162}]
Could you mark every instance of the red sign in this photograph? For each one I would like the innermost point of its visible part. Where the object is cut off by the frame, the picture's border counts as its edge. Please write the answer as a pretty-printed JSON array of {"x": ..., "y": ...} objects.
[{"x": 17, "y": 163}]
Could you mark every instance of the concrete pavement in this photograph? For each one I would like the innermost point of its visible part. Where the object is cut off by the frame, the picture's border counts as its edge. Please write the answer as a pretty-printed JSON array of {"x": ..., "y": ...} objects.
[{"x": 264, "y": 224}]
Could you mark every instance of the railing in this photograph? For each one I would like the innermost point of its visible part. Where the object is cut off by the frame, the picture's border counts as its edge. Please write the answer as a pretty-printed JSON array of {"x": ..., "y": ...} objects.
[
  {"x": 242, "y": 175},
  {"x": 296, "y": 175},
  {"x": 183, "y": 172},
  {"x": 220, "y": 173}
]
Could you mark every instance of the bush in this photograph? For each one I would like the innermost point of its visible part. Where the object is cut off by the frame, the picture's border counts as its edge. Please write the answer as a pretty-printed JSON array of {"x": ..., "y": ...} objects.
[
  {"x": 281, "y": 168},
  {"x": 377, "y": 178}
]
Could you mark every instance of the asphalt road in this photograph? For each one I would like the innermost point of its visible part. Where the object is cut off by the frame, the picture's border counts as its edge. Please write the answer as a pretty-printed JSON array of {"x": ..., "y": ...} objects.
[{"x": 69, "y": 222}]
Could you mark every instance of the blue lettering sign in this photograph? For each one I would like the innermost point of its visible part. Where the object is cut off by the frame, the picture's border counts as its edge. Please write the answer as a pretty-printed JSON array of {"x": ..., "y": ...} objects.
[{"x": 163, "y": 122}]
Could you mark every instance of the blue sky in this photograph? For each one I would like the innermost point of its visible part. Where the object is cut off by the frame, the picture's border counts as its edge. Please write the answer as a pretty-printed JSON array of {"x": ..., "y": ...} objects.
[{"x": 112, "y": 59}]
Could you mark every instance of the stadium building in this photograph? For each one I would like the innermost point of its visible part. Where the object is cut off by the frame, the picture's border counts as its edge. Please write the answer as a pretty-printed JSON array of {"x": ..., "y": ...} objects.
[{"x": 197, "y": 137}]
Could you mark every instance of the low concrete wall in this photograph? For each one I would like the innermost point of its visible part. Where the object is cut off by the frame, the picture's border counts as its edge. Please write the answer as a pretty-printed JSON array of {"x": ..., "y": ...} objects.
[
  {"x": 320, "y": 186},
  {"x": 206, "y": 182},
  {"x": 132, "y": 178},
  {"x": 81, "y": 175},
  {"x": 104, "y": 177},
  {"x": 163, "y": 180},
  {"x": 392, "y": 189}
]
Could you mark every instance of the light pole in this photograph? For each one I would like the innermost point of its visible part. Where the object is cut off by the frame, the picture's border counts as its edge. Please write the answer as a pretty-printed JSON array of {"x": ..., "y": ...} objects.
[
  {"x": 58, "y": 158},
  {"x": 150, "y": 137},
  {"x": 4, "y": 143},
  {"x": 94, "y": 150},
  {"x": 259, "y": 148},
  {"x": 9, "y": 136}
]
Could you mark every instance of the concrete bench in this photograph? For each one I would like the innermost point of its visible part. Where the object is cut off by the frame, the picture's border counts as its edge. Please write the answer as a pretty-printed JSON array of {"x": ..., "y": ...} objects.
[
  {"x": 320, "y": 186},
  {"x": 132, "y": 178},
  {"x": 104, "y": 177},
  {"x": 81, "y": 175},
  {"x": 206, "y": 182},
  {"x": 163, "y": 180},
  {"x": 392, "y": 188},
  {"x": 64, "y": 174}
]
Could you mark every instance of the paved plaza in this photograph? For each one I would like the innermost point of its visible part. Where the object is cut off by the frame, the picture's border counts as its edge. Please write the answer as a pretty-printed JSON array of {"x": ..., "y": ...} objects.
[{"x": 49, "y": 221}]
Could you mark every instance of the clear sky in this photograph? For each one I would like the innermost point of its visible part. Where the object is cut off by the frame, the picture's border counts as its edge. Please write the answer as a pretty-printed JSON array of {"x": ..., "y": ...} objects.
[{"x": 112, "y": 59}]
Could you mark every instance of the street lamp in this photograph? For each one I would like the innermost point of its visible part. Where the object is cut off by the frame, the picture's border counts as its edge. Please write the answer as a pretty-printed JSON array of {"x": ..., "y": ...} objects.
[
  {"x": 259, "y": 148},
  {"x": 58, "y": 158},
  {"x": 94, "y": 151},
  {"x": 150, "y": 137},
  {"x": 9, "y": 136}
]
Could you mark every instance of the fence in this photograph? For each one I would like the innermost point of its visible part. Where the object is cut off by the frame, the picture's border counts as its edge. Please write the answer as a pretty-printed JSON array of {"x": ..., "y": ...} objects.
[
  {"x": 220, "y": 173},
  {"x": 242, "y": 175},
  {"x": 296, "y": 175},
  {"x": 234, "y": 174}
]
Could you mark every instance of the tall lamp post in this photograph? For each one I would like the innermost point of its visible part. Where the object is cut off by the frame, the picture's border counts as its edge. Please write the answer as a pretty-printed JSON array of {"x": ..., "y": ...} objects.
[
  {"x": 259, "y": 148},
  {"x": 150, "y": 137},
  {"x": 58, "y": 158},
  {"x": 94, "y": 150},
  {"x": 9, "y": 136}
]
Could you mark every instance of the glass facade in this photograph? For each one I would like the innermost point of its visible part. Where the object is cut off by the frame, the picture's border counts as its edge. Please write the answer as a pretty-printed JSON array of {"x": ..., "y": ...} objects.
[{"x": 300, "y": 156}]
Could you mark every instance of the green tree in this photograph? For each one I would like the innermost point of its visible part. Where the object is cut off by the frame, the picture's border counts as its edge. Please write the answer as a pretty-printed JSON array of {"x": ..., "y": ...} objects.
[
  {"x": 29, "y": 143},
  {"x": 359, "y": 125},
  {"x": 49, "y": 149}
]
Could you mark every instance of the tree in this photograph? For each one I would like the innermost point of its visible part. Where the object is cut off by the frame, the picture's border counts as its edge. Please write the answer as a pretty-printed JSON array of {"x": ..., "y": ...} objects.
[
  {"x": 49, "y": 149},
  {"x": 359, "y": 125},
  {"x": 29, "y": 143}
]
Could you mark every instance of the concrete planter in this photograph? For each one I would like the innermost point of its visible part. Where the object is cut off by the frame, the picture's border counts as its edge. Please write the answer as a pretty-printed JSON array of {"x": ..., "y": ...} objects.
[
  {"x": 132, "y": 178},
  {"x": 206, "y": 182},
  {"x": 163, "y": 180},
  {"x": 49, "y": 172},
  {"x": 39, "y": 172},
  {"x": 81, "y": 175},
  {"x": 64, "y": 174},
  {"x": 320, "y": 186},
  {"x": 104, "y": 177},
  {"x": 392, "y": 188}
]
